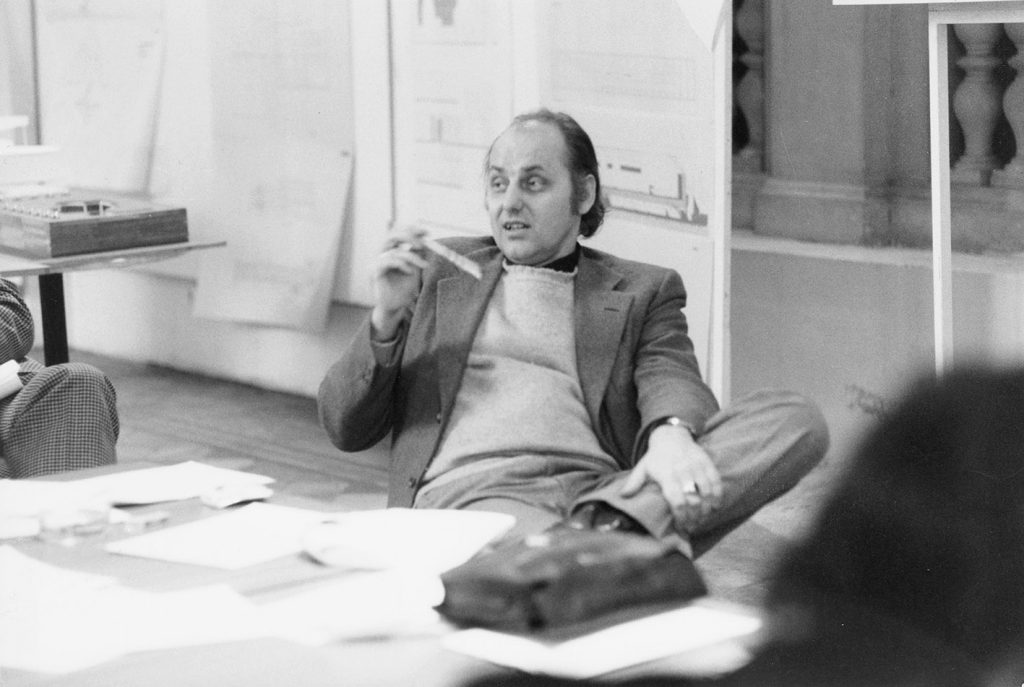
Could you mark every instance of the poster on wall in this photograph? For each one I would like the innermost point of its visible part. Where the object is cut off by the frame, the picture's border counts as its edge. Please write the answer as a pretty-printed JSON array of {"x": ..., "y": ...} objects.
[
  {"x": 452, "y": 72},
  {"x": 641, "y": 83},
  {"x": 100, "y": 70},
  {"x": 237, "y": 110},
  {"x": 281, "y": 160}
]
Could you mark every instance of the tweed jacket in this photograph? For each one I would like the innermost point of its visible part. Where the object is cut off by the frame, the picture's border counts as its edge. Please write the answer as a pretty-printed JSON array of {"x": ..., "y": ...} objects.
[
  {"x": 635, "y": 361},
  {"x": 65, "y": 417}
]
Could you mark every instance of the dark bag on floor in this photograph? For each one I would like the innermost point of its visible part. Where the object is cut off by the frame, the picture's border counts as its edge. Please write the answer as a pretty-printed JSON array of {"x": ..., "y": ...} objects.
[{"x": 565, "y": 576}]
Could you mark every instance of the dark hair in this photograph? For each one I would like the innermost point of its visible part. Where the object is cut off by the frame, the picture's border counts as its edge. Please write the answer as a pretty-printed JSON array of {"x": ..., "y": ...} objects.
[
  {"x": 582, "y": 162},
  {"x": 927, "y": 525}
]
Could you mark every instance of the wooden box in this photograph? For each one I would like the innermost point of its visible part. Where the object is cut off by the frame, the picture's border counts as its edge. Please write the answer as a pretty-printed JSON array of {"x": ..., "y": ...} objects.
[{"x": 86, "y": 222}]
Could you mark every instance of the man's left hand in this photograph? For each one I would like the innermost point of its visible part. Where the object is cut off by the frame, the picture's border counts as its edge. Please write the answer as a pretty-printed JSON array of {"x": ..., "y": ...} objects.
[{"x": 688, "y": 479}]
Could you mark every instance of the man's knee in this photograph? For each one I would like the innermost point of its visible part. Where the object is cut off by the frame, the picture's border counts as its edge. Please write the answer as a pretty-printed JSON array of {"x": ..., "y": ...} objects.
[
  {"x": 78, "y": 376},
  {"x": 805, "y": 417},
  {"x": 785, "y": 423},
  {"x": 80, "y": 385}
]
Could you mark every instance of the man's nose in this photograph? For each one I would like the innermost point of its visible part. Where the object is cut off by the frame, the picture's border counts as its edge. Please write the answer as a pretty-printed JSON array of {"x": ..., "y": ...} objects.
[{"x": 513, "y": 198}]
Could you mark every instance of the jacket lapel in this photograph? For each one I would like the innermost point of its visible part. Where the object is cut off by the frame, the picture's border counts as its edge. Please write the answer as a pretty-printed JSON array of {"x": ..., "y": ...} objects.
[
  {"x": 461, "y": 302},
  {"x": 601, "y": 315}
]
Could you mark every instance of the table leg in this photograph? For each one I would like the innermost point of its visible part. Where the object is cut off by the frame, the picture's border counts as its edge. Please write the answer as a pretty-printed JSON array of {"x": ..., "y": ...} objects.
[{"x": 55, "y": 331}]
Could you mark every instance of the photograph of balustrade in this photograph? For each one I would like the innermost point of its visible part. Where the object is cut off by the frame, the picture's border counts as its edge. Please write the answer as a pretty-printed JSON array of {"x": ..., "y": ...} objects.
[{"x": 811, "y": 165}]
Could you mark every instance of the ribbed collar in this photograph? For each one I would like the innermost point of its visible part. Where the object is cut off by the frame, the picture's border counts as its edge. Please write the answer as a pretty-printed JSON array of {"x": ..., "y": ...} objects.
[{"x": 566, "y": 263}]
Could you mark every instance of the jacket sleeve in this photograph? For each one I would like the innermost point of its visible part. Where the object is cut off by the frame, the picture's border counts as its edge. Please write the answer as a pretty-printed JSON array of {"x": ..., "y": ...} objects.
[
  {"x": 17, "y": 330},
  {"x": 667, "y": 374},
  {"x": 356, "y": 397}
]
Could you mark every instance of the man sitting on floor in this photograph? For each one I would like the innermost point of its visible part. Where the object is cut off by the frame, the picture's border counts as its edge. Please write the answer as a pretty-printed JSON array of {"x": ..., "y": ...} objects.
[
  {"x": 64, "y": 417},
  {"x": 563, "y": 383}
]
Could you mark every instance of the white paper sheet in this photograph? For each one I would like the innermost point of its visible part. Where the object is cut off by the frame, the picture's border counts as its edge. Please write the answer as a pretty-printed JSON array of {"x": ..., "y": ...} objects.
[
  {"x": 705, "y": 18},
  {"x": 57, "y": 621},
  {"x": 360, "y": 606},
  {"x": 134, "y": 487},
  {"x": 252, "y": 534},
  {"x": 424, "y": 540},
  {"x": 100, "y": 68},
  {"x": 282, "y": 161},
  {"x": 620, "y": 646}
]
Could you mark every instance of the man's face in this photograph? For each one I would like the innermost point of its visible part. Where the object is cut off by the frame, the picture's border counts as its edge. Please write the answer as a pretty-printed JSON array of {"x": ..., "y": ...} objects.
[{"x": 529, "y": 195}]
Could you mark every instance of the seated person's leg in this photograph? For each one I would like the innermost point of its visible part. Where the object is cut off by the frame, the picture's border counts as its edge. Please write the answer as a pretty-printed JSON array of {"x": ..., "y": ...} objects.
[
  {"x": 527, "y": 487},
  {"x": 762, "y": 445},
  {"x": 65, "y": 418}
]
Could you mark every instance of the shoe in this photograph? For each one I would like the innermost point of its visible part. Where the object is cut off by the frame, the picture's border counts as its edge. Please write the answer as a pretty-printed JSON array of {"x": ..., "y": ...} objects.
[{"x": 597, "y": 515}]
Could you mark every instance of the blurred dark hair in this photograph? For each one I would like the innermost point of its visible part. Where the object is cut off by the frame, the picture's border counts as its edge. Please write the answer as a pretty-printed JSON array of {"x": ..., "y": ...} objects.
[
  {"x": 582, "y": 161},
  {"x": 928, "y": 523}
]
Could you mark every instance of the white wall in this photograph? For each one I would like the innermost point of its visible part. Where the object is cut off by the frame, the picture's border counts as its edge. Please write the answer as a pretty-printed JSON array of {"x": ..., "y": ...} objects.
[
  {"x": 851, "y": 327},
  {"x": 148, "y": 318},
  {"x": 848, "y": 330}
]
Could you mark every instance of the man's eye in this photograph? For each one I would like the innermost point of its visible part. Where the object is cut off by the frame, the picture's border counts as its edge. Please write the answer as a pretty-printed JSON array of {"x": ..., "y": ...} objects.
[
  {"x": 498, "y": 184},
  {"x": 535, "y": 183}
]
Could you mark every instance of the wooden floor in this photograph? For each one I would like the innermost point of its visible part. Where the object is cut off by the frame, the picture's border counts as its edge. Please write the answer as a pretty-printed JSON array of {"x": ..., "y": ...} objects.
[{"x": 168, "y": 416}]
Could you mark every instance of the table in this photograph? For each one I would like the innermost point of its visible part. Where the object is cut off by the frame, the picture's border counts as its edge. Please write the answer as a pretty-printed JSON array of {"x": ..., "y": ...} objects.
[
  {"x": 50, "y": 272},
  {"x": 417, "y": 660}
]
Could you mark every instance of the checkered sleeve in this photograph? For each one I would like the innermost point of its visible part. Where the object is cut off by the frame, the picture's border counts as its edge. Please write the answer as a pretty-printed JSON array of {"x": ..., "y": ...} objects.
[
  {"x": 65, "y": 418},
  {"x": 16, "y": 327}
]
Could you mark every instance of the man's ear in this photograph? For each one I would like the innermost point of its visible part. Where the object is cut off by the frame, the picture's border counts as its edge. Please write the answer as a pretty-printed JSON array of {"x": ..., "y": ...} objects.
[{"x": 589, "y": 195}]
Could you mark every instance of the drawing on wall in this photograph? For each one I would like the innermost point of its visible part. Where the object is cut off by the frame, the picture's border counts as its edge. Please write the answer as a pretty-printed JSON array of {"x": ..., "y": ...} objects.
[
  {"x": 281, "y": 165},
  {"x": 452, "y": 77},
  {"x": 444, "y": 11},
  {"x": 641, "y": 84},
  {"x": 100, "y": 68}
]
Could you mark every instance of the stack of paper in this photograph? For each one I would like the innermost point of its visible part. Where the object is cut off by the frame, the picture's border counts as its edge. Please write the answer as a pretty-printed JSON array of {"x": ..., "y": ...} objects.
[{"x": 24, "y": 502}]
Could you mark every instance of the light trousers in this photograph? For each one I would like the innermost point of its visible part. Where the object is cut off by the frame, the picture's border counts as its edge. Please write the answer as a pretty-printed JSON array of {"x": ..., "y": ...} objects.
[{"x": 762, "y": 445}]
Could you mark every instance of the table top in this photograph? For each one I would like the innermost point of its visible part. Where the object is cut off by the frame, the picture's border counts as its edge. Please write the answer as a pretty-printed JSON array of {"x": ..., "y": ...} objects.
[
  {"x": 269, "y": 661},
  {"x": 18, "y": 266},
  {"x": 418, "y": 660}
]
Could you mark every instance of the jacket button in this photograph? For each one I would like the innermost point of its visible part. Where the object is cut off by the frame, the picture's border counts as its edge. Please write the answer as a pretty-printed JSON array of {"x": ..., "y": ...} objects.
[
  {"x": 412, "y": 482},
  {"x": 437, "y": 418}
]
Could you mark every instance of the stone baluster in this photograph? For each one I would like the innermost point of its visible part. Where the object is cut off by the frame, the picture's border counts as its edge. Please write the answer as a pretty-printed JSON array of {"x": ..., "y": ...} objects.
[
  {"x": 749, "y": 92},
  {"x": 977, "y": 104},
  {"x": 1012, "y": 175}
]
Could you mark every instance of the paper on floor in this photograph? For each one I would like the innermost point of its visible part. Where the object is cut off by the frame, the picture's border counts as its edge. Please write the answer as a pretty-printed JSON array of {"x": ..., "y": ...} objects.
[
  {"x": 167, "y": 483},
  {"x": 427, "y": 540},
  {"x": 359, "y": 606},
  {"x": 24, "y": 502},
  {"x": 252, "y": 534},
  {"x": 29, "y": 498},
  {"x": 56, "y": 621},
  {"x": 627, "y": 644}
]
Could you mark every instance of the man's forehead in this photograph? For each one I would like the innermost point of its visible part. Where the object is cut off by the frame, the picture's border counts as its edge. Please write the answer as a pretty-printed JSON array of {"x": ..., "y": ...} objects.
[{"x": 529, "y": 145}]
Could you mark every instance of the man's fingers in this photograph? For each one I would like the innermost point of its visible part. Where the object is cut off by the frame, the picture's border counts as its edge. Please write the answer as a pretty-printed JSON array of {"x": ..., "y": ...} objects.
[
  {"x": 636, "y": 480},
  {"x": 401, "y": 260}
]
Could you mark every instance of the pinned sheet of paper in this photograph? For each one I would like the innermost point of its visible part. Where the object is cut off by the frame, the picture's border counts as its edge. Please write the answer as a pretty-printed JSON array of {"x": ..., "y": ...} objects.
[{"x": 705, "y": 18}]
